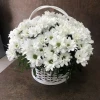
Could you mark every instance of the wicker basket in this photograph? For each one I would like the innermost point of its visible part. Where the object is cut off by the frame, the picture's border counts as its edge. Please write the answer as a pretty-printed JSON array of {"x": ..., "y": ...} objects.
[
  {"x": 41, "y": 75},
  {"x": 47, "y": 78}
]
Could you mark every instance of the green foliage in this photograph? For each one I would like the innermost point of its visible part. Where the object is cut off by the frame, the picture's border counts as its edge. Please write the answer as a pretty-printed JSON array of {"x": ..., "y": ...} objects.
[
  {"x": 34, "y": 72},
  {"x": 23, "y": 63},
  {"x": 70, "y": 70}
]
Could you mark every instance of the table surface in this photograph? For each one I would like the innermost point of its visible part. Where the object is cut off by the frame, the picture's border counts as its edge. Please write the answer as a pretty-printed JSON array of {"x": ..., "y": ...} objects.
[{"x": 16, "y": 85}]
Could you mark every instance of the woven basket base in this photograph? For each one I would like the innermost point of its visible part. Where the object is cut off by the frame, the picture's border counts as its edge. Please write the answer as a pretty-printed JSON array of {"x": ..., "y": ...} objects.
[{"x": 43, "y": 78}]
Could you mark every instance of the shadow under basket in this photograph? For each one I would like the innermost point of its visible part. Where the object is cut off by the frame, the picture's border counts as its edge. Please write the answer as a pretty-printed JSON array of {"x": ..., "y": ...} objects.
[{"x": 46, "y": 78}]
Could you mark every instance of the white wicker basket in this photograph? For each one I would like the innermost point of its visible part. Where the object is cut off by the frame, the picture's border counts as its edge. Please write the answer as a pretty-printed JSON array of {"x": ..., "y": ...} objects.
[
  {"x": 48, "y": 79},
  {"x": 41, "y": 75}
]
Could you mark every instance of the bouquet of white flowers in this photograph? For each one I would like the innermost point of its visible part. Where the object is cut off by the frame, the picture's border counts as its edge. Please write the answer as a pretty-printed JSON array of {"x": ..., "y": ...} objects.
[{"x": 52, "y": 45}]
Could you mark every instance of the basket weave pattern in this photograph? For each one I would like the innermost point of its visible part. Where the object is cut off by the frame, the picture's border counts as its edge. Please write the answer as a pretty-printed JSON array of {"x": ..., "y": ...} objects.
[{"x": 47, "y": 78}]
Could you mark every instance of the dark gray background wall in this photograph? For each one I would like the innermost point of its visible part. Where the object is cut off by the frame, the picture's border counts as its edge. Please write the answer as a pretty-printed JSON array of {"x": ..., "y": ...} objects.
[
  {"x": 5, "y": 20},
  {"x": 2, "y": 53},
  {"x": 12, "y": 12}
]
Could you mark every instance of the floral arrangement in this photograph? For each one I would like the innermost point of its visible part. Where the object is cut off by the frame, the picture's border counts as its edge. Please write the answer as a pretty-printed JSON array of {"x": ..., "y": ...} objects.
[{"x": 52, "y": 42}]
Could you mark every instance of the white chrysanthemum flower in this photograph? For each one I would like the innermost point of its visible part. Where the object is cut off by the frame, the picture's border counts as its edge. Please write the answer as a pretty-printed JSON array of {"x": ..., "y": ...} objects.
[
  {"x": 49, "y": 40},
  {"x": 48, "y": 36},
  {"x": 11, "y": 54},
  {"x": 50, "y": 62},
  {"x": 70, "y": 44},
  {"x": 83, "y": 55},
  {"x": 64, "y": 59},
  {"x": 14, "y": 33},
  {"x": 26, "y": 46},
  {"x": 57, "y": 42},
  {"x": 34, "y": 58}
]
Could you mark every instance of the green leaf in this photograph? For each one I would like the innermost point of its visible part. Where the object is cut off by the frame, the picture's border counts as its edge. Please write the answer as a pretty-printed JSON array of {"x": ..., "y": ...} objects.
[
  {"x": 34, "y": 72},
  {"x": 39, "y": 68}
]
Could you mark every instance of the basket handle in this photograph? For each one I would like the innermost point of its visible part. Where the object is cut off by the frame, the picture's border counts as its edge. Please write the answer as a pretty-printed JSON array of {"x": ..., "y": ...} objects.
[
  {"x": 47, "y": 6},
  {"x": 32, "y": 72}
]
